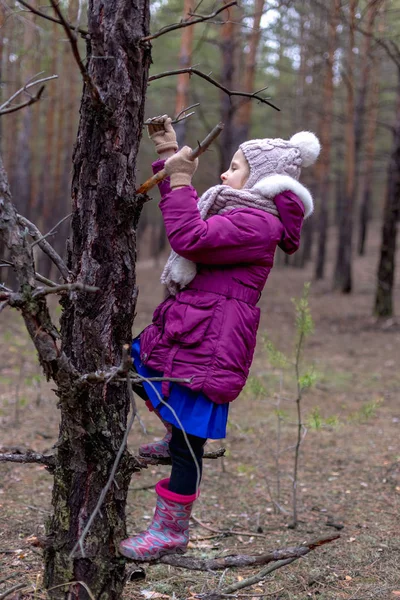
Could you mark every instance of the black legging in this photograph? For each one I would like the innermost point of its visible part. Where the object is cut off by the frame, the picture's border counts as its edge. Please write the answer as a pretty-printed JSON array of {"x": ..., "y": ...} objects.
[{"x": 184, "y": 473}]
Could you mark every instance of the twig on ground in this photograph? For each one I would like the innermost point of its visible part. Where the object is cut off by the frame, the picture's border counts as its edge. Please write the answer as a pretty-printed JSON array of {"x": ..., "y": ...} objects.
[
  {"x": 75, "y": 50},
  {"x": 226, "y": 531},
  {"x": 35, "y": 11},
  {"x": 188, "y": 22},
  {"x": 16, "y": 587},
  {"x": 30, "y": 83},
  {"x": 202, "y": 147},
  {"x": 249, "y": 581},
  {"x": 243, "y": 560},
  {"x": 194, "y": 71},
  {"x": 45, "y": 246}
]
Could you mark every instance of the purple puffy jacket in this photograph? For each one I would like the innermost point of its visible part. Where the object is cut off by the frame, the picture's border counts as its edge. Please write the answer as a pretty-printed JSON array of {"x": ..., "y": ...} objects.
[{"x": 207, "y": 332}]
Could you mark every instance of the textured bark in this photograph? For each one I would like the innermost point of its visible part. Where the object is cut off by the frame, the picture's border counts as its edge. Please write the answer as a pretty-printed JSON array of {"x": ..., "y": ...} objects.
[
  {"x": 323, "y": 165},
  {"x": 94, "y": 327},
  {"x": 343, "y": 268},
  {"x": 386, "y": 269}
]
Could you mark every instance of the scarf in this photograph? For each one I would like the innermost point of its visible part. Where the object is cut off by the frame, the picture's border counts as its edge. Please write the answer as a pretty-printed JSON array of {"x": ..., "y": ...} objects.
[{"x": 178, "y": 271}]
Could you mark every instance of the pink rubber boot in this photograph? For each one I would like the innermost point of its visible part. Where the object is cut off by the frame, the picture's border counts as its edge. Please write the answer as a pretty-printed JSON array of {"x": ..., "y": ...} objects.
[
  {"x": 159, "y": 449},
  {"x": 169, "y": 530}
]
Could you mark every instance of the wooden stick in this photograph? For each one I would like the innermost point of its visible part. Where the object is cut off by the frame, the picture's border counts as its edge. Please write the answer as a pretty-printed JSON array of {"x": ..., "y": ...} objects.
[{"x": 202, "y": 147}]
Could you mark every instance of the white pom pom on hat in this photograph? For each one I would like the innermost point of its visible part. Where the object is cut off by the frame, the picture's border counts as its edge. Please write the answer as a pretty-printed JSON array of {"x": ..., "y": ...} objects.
[{"x": 309, "y": 146}]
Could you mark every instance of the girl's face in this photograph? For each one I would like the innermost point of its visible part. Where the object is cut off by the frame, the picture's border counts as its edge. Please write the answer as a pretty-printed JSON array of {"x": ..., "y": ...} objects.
[{"x": 238, "y": 172}]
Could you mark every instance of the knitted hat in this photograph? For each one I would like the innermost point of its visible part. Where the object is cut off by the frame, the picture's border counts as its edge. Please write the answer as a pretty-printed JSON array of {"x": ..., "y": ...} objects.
[{"x": 282, "y": 161}]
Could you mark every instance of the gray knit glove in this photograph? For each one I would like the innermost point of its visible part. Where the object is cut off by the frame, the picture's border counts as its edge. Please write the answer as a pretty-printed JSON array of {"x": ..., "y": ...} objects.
[
  {"x": 162, "y": 133},
  {"x": 180, "y": 168}
]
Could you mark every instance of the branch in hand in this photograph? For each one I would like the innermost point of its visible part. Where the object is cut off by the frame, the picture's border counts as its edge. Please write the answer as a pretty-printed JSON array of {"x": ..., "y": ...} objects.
[{"x": 202, "y": 147}]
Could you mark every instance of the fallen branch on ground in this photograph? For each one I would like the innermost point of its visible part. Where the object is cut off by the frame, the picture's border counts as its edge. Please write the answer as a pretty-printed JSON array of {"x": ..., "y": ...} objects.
[{"x": 244, "y": 560}]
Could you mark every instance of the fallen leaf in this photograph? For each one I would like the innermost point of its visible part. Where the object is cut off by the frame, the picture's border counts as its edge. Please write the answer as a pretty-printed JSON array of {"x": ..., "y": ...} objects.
[{"x": 397, "y": 594}]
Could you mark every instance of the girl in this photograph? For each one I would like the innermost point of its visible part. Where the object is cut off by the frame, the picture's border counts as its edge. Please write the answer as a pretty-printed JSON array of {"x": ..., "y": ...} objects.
[{"x": 205, "y": 331}]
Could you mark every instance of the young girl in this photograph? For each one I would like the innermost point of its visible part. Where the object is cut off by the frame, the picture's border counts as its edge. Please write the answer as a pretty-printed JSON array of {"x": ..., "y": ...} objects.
[{"x": 205, "y": 331}]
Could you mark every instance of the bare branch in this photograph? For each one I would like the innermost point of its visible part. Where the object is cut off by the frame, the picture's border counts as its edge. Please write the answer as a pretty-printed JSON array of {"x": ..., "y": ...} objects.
[
  {"x": 188, "y": 22},
  {"x": 202, "y": 147},
  {"x": 52, "y": 230},
  {"x": 35, "y": 11},
  {"x": 31, "y": 100},
  {"x": 45, "y": 246},
  {"x": 243, "y": 560},
  {"x": 194, "y": 71},
  {"x": 28, "y": 456},
  {"x": 145, "y": 461},
  {"x": 44, "y": 280},
  {"x": 25, "y": 88},
  {"x": 75, "y": 50},
  {"x": 247, "y": 582},
  {"x": 66, "y": 287}
]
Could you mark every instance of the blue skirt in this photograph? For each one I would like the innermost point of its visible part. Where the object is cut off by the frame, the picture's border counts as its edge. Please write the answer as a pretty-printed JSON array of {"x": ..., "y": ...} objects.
[{"x": 196, "y": 413}]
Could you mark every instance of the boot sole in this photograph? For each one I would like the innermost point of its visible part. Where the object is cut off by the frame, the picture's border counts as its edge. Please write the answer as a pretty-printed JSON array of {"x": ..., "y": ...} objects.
[{"x": 150, "y": 559}]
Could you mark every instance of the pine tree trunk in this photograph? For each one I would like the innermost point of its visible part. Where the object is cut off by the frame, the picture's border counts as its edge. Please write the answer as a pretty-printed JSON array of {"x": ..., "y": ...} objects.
[
  {"x": 367, "y": 180},
  {"x": 386, "y": 269},
  {"x": 343, "y": 268},
  {"x": 228, "y": 49},
  {"x": 185, "y": 60},
  {"x": 324, "y": 163},
  {"x": 95, "y": 326},
  {"x": 244, "y": 111}
]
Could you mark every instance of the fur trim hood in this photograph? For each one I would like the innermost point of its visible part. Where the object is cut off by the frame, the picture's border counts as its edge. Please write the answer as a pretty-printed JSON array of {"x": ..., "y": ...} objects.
[{"x": 276, "y": 184}]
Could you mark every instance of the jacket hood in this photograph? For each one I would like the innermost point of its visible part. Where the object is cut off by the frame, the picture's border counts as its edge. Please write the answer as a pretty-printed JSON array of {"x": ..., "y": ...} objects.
[
  {"x": 276, "y": 184},
  {"x": 294, "y": 203}
]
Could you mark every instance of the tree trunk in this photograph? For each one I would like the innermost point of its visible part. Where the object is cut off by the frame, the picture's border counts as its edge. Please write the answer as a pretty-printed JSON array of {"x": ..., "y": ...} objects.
[
  {"x": 228, "y": 51},
  {"x": 324, "y": 163},
  {"x": 367, "y": 180},
  {"x": 243, "y": 113},
  {"x": 343, "y": 268},
  {"x": 386, "y": 269},
  {"x": 185, "y": 60},
  {"x": 95, "y": 326}
]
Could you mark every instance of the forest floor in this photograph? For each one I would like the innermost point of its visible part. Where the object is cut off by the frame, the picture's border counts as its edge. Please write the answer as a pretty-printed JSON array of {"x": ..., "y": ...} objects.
[{"x": 349, "y": 471}]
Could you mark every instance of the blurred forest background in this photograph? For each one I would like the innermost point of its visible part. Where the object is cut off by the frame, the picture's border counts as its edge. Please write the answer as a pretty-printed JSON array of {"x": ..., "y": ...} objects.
[{"x": 329, "y": 66}]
